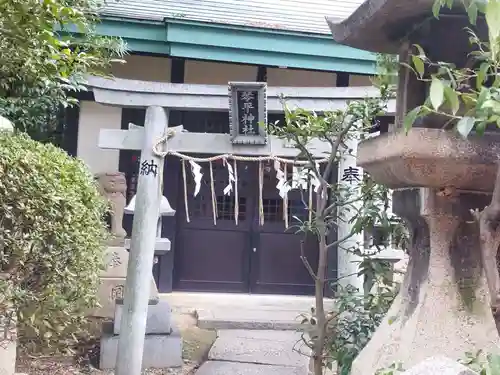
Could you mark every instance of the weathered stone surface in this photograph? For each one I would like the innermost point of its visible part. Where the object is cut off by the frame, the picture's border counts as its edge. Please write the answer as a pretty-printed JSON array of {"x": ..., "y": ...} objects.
[
  {"x": 439, "y": 366},
  {"x": 260, "y": 347},
  {"x": 158, "y": 320},
  {"x": 160, "y": 351},
  {"x": 443, "y": 306},
  {"x": 234, "y": 368},
  {"x": 113, "y": 282},
  {"x": 113, "y": 186},
  {"x": 116, "y": 260},
  {"x": 442, "y": 159}
]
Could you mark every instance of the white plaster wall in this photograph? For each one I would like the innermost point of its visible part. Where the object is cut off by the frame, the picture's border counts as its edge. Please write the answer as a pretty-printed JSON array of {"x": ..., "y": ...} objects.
[
  {"x": 144, "y": 68},
  {"x": 300, "y": 78},
  {"x": 212, "y": 73},
  {"x": 93, "y": 117},
  {"x": 359, "y": 80}
]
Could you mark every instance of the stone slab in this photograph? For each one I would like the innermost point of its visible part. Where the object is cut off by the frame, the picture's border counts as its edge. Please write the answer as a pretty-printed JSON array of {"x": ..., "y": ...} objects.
[
  {"x": 439, "y": 365},
  {"x": 158, "y": 319},
  {"x": 239, "y": 318},
  {"x": 160, "y": 351},
  {"x": 234, "y": 368},
  {"x": 260, "y": 347}
]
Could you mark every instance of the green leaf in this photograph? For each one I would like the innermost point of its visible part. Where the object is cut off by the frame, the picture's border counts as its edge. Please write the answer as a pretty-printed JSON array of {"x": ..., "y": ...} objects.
[
  {"x": 452, "y": 98},
  {"x": 481, "y": 75},
  {"x": 436, "y": 93},
  {"x": 492, "y": 15},
  {"x": 436, "y": 7},
  {"x": 465, "y": 125},
  {"x": 419, "y": 65},
  {"x": 410, "y": 118},
  {"x": 494, "y": 364},
  {"x": 421, "y": 51},
  {"x": 472, "y": 12}
]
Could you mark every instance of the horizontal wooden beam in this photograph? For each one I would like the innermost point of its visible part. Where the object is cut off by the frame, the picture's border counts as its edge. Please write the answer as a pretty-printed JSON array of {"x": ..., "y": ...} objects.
[{"x": 207, "y": 143}]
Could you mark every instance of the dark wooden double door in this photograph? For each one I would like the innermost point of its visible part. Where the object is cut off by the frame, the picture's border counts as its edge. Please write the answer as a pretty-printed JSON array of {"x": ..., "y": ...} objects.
[{"x": 247, "y": 257}]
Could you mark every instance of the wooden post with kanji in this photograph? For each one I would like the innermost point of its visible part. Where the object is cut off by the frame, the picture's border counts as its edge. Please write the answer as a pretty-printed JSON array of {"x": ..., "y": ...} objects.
[{"x": 142, "y": 244}]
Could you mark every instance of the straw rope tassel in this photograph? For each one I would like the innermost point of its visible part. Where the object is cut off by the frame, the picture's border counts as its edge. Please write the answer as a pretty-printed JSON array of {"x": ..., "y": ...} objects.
[
  {"x": 236, "y": 195},
  {"x": 185, "y": 190},
  {"x": 285, "y": 198},
  {"x": 212, "y": 192},
  {"x": 261, "y": 186}
]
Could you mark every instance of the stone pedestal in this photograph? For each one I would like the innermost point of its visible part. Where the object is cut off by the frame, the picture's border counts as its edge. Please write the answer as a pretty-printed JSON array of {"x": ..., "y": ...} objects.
[
  {"x": 113, "y": 282},
  {"x": 162, "y": 344},
  {"x": 443, "y": 306}
]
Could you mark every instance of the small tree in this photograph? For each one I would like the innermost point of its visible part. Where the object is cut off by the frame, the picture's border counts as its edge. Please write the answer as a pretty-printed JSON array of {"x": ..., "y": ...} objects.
[
  {"x": 333, "y": 199},
  {"x": 52, "y": 238},
  {"x": 42, "y": 62}
]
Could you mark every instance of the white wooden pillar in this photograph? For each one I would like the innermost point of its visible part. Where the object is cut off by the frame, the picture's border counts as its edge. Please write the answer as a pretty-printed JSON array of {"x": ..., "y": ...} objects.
[{"x": 350, "y": 176}]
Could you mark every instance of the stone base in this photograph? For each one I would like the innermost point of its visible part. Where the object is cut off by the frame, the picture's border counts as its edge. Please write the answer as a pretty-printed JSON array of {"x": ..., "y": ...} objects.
[
  {"x": 113, "y": 282},
  {"x": 160, "y": 351},
  {"x": 438, "y": 325},
  {"x": 158, "y": 320},
  {"x": 444, "y": 305}
]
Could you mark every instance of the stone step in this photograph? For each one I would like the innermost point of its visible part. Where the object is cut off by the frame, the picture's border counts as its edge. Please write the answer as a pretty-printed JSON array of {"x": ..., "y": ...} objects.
[
  {"x": 248, "y": 319},
  {"x": 278, "y": 348},
  {"x": 235, "y": 368}
]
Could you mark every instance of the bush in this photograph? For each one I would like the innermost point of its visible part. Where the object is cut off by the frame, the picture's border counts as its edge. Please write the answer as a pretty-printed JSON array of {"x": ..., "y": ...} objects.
[{"x": 52, "y": 238}]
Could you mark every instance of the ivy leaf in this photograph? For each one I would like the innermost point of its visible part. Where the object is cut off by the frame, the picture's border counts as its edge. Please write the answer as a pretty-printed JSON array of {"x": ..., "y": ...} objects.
[
  {"x": 465, "y": 125},
  {"x": 410, "y": 118},
  {"x": 436, "y": 93}
]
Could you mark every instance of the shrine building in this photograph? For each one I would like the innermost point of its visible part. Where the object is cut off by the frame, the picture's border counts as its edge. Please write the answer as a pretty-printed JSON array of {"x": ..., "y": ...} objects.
[{"x": 187, "y": 52}]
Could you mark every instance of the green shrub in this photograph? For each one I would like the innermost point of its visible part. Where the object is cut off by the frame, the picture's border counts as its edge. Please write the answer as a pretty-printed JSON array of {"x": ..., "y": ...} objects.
[{"x": 52, "y": 237}]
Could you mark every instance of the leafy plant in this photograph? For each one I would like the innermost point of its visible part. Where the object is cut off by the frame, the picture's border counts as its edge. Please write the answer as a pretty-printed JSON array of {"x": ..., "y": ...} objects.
[
  {"x": 42, "y": 62},
  {"x": 335, "y": 200},
  {"x": 356, "y": 319},
  {"x": 52, "y": 237},
  {"x": 488, "y": 364}
]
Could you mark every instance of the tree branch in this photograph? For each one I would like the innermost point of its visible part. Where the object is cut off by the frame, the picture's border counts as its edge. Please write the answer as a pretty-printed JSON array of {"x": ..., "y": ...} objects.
[{"x": 303, "y": 257}]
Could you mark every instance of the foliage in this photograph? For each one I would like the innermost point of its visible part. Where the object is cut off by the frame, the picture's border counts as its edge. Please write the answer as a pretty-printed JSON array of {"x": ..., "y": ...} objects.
[
  {"x": 363, "y": 205},
  {"x": 51, "y": 235},
  {"x": 42, "y": 63},
  {"x": 488, "y": 364},
  {"x": 356, "y": 318},
  {"x": 468, "y": 98}
]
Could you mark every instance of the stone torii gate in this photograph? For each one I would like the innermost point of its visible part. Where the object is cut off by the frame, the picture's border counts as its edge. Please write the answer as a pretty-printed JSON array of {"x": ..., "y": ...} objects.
[
  {"x": 158, "y": 98},
  {"x": 149, "y": 190}
]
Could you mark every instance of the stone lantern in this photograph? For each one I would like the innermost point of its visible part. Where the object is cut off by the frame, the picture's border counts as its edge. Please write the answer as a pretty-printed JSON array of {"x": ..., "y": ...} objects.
[
  {"x": 162, "y": 245},
  {"x": 438, "y": 177}
]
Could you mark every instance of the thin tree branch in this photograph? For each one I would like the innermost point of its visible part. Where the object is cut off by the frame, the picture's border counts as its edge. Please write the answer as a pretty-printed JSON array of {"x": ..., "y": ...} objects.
[{"x": 303, "y": 257}]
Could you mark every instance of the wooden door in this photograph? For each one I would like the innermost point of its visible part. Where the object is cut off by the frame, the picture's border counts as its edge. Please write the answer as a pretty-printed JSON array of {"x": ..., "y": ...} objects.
[
  {"x": 276, "y": 264},
  {"x": 215, "y": 257}
]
